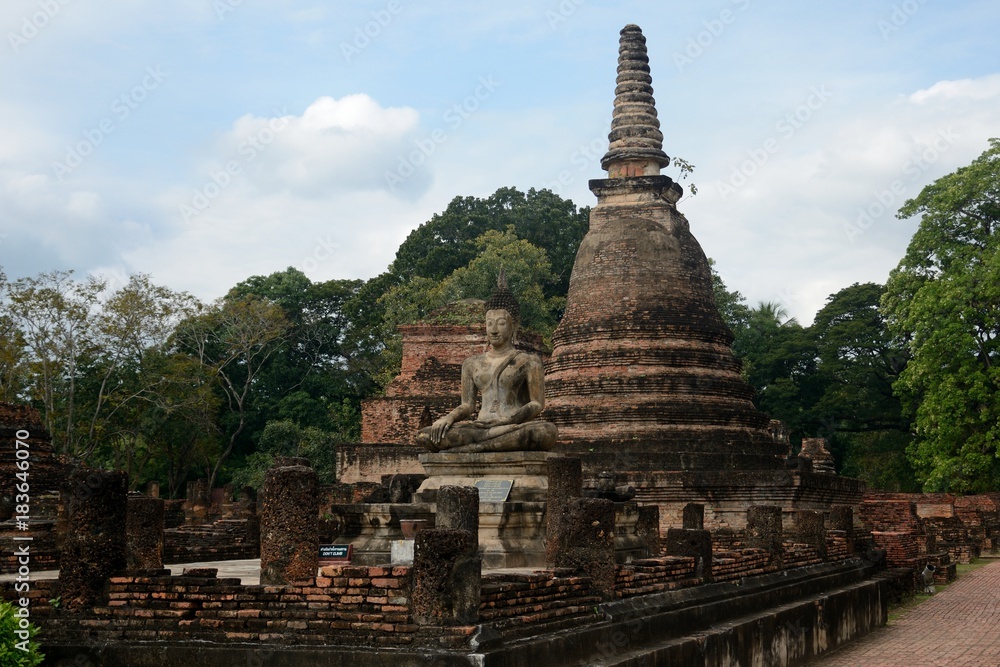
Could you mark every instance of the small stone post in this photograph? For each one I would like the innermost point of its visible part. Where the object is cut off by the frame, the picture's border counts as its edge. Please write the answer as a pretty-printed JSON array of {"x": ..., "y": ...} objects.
[
  {"x": 585, "y": 536},
  {"x": 842, "y": 518},
  {"x": 692, "y": 542},
  {"x": 93, "y": 550},
  {"x": 289, "y": 523},
  {"x": 764, "y": 530},
  {"x": 694, "y": 516},
  {"x": 810, "y": 529},
  {"x": 458, "y": 507},
  {"x": 144, "y": 533},
  {"x": 565, "y": 483},
  {"x": 647, "y": 529},
  {"x": 447, "y": 572}
]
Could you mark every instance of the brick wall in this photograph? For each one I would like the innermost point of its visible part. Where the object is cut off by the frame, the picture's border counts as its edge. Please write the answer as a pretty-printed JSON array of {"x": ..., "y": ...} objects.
[
  {"x": 900, "y": 547},
  {"x": 226, "y": 539},
  {"x": 346, "y": 605},
  {"x": 727, "y": 565},
  {"x": 538, "y": 597},
  {"x": 652, "y": 575},
  {"x": 890, "y": 514}
]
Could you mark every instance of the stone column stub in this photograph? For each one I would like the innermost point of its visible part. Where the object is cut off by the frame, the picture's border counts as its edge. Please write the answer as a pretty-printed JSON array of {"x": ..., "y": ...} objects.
[
  {"x": 692, "y": 542},
  {"x": 447, "y": 577},
  {"x": 289, "y": 525},
  {"x": 585, "y": 536},
  {"x": 764, "y": 529},
  {"x": 95, "y": 546},
  {"x": 458, "y": 507},
  {"x": 810, "y": 528},
  {"x": 565, "y": 483},
  {"x": 144, "y": 533}
]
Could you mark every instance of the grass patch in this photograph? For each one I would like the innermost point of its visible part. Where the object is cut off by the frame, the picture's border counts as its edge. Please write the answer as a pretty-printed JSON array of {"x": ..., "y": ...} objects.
[{"x": 900, "y": 609}]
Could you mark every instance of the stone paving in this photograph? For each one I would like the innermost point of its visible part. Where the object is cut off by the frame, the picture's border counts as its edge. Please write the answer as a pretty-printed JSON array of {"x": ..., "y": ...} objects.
[{"x": 958, "y": 627}]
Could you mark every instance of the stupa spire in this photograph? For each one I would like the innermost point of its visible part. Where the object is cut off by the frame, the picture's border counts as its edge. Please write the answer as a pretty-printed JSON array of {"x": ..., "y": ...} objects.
[{"x": 636, "y": 143}]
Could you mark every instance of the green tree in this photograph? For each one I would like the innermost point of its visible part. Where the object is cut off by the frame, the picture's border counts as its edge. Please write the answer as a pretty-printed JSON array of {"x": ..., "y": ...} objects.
[
  {"x": 310, "y": 377},
  {"x": 448, "y": 241},
  {"x": 779, "y": 361},
  {"x": 732, "y": 305},
  {"x": 179, "y": 422},
  {"x": 137, "y": 317},
  {"x": 233, "y": 342},
  {"x": 12, "y": 353},
  {"x": 55, "y": 315},
  {"x": 286, "y": 438},
  {"x": 859, "y": 360},
  {"x": 943, "y": 300}
]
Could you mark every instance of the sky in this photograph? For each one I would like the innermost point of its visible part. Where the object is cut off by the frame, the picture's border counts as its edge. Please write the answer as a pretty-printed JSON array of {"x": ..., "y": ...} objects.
[{"x": 206, "y": 141}]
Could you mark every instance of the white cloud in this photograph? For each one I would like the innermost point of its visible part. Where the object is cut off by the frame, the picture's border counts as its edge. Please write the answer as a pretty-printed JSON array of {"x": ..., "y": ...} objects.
[
  {"x": 309, "y": 191},
  {"x": 334, "y": 146},
  {"x": 984, "y": 88},
  {"x": 819, "y": 215}
]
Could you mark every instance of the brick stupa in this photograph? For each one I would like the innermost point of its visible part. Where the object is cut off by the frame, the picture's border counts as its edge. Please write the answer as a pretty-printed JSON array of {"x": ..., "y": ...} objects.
[{"x": 642, "y": 380}]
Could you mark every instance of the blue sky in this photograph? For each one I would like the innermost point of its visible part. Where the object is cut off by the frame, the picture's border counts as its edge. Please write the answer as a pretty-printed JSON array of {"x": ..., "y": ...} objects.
[{"x": 205, "y": 141}]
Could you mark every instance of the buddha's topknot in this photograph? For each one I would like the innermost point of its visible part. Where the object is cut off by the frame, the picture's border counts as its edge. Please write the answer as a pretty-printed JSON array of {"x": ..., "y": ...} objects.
[{"x": 503, "y": 299}]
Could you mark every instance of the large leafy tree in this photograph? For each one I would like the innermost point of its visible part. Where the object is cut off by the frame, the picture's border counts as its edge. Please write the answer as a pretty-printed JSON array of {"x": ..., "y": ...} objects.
[
  {"x": 944, "y": 300},
  {"x": 54, "y": 315},
  {"x": 233, "y": 342},
  {"x": 12, "y": 354},
  {"x": 859, "y": 360},
  {"x": 448, "y": 241},
  {"x": 308, "y": 380},
  {"x": 779, "y": 360},
  {"x": 134, "y": 319},
  {"x": 731, "y": 303}
]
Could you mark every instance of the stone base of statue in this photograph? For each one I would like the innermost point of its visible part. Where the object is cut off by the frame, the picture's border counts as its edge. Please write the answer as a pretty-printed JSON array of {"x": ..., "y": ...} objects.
[
  {"x": 511, "y": 522},
  {"x": 527, "y": 471}
]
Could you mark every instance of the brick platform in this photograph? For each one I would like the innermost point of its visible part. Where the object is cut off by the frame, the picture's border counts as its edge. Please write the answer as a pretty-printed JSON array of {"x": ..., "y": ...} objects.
[{"x": 958, "y": 626}]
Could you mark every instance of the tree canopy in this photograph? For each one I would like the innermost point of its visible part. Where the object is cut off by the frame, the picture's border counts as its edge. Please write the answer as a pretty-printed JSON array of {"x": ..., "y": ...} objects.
[{"x": 943, "y": 301}]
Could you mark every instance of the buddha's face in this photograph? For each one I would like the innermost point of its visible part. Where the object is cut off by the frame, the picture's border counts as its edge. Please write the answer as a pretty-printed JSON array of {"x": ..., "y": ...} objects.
[{"x": 499, "y": 327}]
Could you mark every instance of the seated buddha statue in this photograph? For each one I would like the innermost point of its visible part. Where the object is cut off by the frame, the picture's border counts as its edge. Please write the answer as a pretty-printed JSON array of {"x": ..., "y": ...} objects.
[{"x": 511, "y": 384}]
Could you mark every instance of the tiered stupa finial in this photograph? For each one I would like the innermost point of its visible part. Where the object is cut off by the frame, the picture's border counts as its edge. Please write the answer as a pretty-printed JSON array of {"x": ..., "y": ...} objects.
[{"x": 636, "y": 141}]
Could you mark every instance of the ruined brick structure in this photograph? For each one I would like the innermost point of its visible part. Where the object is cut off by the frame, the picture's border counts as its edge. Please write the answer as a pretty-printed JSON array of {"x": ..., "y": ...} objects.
[{"x": 427, "y": 386}]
